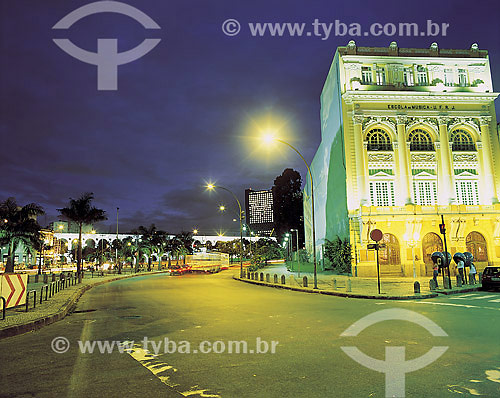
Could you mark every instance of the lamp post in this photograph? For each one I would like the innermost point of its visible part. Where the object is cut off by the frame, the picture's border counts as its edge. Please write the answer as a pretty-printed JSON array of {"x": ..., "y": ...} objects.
[
  {"x": 116, "y": 249},
  {"x": 412, "y": 242},
  {"x": 298, "y": 260},
  {"x": 212, "y": 187},
  {"x": 270, "y": 138}
]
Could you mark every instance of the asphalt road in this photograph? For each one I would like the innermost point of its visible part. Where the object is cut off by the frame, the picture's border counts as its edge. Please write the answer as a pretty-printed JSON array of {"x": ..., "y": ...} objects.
[{"x": 308, "y": 360}]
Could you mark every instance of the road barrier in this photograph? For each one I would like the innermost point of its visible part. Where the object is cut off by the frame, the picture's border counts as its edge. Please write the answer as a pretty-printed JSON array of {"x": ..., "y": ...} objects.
[{"x": 27, "y": 299}]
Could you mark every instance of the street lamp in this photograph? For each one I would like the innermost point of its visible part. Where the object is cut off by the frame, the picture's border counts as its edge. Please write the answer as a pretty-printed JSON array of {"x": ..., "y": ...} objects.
[
  {"x": 412, "y": 242},
  {"x": 212, "y": 187},
  {"x": 298, "y": 260},
  {"x": 270, "y": 138}
]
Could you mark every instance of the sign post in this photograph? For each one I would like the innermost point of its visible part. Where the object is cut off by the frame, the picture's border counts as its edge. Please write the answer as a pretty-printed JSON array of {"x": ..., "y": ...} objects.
[
  {"x": 442, "y": 229},
  {"x": 377, "y": 235}
]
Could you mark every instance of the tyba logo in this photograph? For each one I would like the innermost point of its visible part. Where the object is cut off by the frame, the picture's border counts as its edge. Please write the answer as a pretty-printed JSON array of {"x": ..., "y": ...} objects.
[
  {"x": 395, "y": 365},
  {"x": 107, "y": 58}
]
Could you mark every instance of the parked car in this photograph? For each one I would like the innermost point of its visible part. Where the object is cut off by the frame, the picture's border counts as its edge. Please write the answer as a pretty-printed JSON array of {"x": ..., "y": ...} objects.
[{"x": 491, "y": 278}]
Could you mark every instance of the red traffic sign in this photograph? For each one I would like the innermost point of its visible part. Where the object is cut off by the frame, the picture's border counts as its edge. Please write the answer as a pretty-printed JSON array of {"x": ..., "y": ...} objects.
[{"x": 376, "y": 235}]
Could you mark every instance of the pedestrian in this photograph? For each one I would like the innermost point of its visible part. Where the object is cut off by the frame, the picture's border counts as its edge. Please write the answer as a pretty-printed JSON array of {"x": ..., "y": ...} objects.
[
  {"x": 435, "y": 272},
  {"x": 472, "y": 274},
  {"x": 460, "y": 267}
]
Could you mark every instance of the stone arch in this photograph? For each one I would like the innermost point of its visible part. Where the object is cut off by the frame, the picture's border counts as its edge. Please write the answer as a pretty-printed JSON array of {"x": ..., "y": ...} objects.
[
  {"x": 422, "y": 125},
  {"x": 431, "y": 243},
  {"x": 470, "y": 127},
  {"x": 420, "y": 139},
  {"x": 391, "y": 253},
  {"x": 462, "y": 140},
  {"x": 385, "y": 126},
  {"x": 378, "y": 139},
  {"x": 87, "y": 243},
  {"x": 476, "y": 244}
]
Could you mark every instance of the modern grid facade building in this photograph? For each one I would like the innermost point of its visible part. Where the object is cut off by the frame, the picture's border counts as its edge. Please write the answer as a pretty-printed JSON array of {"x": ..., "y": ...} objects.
[
  {"x": 408, "y": 135},
  {"x": 259, "y": 212}
]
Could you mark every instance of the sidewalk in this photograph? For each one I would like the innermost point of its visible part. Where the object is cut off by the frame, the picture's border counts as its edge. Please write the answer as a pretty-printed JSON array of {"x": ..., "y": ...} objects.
[
  {"x": 17, "y": 321},
  {"x": 391, "y": 288}
]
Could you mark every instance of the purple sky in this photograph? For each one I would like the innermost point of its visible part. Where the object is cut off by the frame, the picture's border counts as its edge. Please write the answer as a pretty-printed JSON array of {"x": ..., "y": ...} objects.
[{"x": 180, "y": 111}]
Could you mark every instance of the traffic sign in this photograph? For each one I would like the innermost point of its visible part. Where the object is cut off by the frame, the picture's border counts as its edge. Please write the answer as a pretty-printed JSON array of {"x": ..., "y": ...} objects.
[
  {"x": 442, "y": 228},
  {"x": 13, "y": 289},
  {"x": 376, "y": 235}
]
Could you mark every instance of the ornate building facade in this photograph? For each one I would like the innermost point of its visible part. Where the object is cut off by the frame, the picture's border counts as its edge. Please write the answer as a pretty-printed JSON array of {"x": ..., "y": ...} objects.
[{"x": 408, "y": 135}]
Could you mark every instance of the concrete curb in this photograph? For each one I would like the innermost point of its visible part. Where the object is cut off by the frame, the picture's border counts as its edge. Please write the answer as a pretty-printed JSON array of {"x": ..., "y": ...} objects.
[
  {"x": 64, "y": 310},
  {"x": 465, "y": 290},
  {"x": 339, "y": 294}
]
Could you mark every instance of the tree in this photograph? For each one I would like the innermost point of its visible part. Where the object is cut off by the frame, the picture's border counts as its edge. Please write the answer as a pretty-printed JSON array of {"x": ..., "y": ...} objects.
[
  {"x": 186, "y": 239},
  {"x": 18, "y": 226},
  {"x": 82, "y": 212},
  {"x": 287, "y": 204},
  {"x": 338, "y": 252}
]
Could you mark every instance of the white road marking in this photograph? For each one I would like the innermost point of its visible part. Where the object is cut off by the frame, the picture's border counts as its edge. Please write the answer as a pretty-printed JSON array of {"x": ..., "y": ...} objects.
[
  {"x": 451, "y": 305},
  {"x": 480, "y": 297},
  {"x": 466, "y": 295},
  {"x": 149, "y": 361},
  {"x": 494, "y": 301}
]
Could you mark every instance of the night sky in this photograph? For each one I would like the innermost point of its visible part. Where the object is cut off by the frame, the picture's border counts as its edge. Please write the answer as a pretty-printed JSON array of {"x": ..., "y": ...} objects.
[{"x": 181, "y": 113}]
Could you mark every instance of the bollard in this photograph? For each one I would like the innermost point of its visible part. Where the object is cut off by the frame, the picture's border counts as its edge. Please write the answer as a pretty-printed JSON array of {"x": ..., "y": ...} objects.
[
  {"x": 46, "y": 292},
  {"x": 283, "y": 279},
  {"x": 459, "y": 281},
  {"x": 432, "y": 285},
  {"x": 268, "y": 278},
  {"x": 275, "y": 278},
  {"x": 4, "y": 304},
  {"x": 45, "y": 278},
  {"x": 416, "y": 287},
  {"x": 53, "y": 277},
  {"x": 348, "y": 285},
  {"x": 334, "y": 283},
  {"x": 304, "y": 281},
  {"x": 36, "y": 278},
  {"x": 262, "y": 277}
]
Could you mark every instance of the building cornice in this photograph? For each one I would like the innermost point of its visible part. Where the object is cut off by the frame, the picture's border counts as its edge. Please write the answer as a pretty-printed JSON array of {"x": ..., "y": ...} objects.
[{"x": 387, "y": 96}]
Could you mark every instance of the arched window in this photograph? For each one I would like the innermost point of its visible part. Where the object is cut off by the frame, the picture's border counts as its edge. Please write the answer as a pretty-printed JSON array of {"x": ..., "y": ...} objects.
[
  {"x": 378, "y": 140},
  {"x": 420, "y": 140},
  {"x": 390, "y": 254},
  {"x": 431, "y": 243},
  {"x": 476, "y": 244},
  {"x": 462, "y": 141}
]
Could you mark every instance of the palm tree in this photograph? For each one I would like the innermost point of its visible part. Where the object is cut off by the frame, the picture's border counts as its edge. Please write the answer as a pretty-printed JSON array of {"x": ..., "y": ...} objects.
[
  {"x": 82, "y": 212},
  {"x": 18, "y": 225}
]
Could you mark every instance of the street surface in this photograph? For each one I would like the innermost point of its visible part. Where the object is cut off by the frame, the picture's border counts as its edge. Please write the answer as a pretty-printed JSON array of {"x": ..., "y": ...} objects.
[{"x": 308, "y": 360}]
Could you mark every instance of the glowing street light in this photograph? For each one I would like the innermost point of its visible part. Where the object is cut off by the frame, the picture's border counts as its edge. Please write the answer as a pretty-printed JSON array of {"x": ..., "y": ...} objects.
[
  {"x": 412, "y": 242},
  {"x": 269, "y": 137},
  {"x": 195, "y": 231},
  {"x": 212, "y": 187}
]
